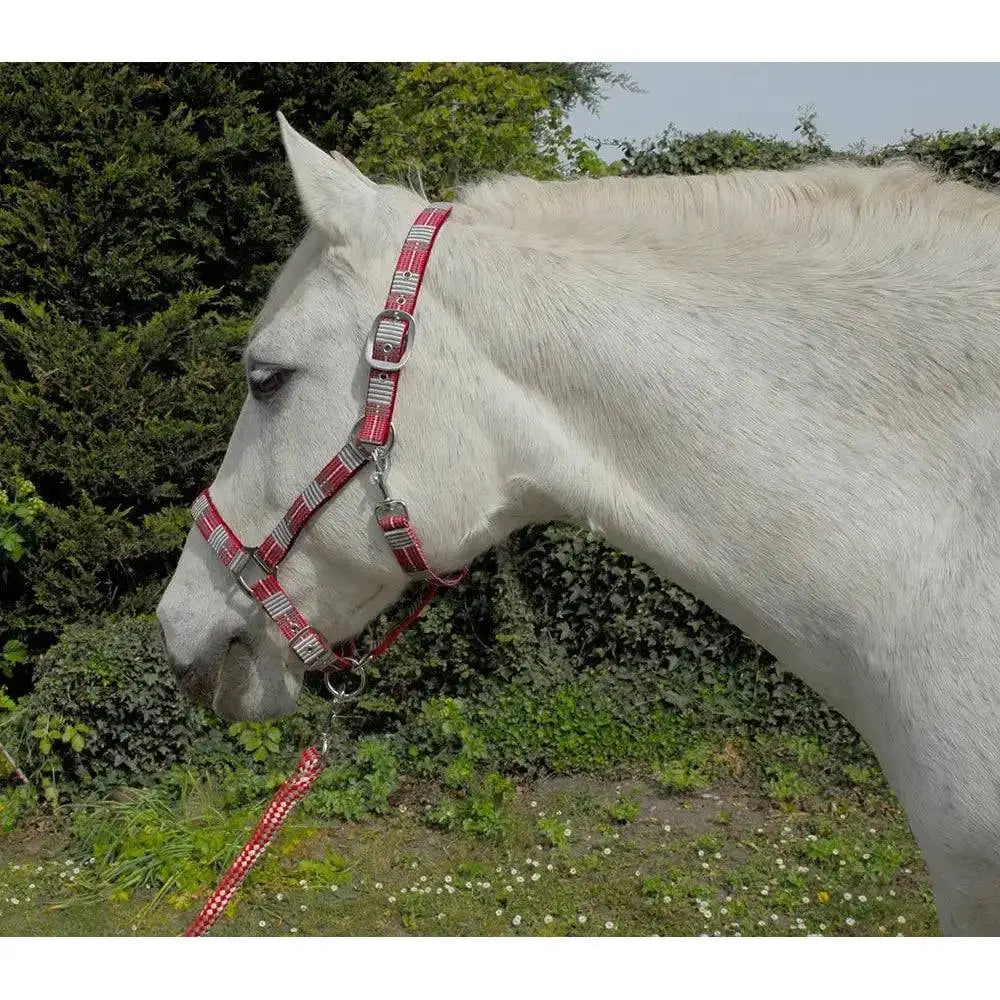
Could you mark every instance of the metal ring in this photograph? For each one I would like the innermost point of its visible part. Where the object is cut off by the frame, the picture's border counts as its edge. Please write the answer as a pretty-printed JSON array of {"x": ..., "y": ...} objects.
[
  {"x": 365, "y": 446},
  {"x": 342, "y": 694},
  {"x": 402, "y": 316}
]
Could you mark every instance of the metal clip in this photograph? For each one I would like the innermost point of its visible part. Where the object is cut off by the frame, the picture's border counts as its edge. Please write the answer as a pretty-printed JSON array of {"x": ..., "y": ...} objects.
[
  {"x": 380, "y": 459},
  {"x": 340, "y": 697},
  {"x": 387, "y": 506}
]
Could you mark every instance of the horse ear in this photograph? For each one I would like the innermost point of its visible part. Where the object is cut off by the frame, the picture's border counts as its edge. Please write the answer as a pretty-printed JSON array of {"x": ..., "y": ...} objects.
[
  {"x": 344, "y": 162},
  {"x": 336, "y": 197}
]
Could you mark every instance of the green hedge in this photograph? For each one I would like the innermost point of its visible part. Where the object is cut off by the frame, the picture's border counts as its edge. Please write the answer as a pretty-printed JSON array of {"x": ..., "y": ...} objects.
[
  {"x": 144, "y": 210},
  {"x": 116, "y": 429},
  {"x": 971, "y": 155},
  {"x": 123, "y": 186},
  {"x": 677, "y": 152}
]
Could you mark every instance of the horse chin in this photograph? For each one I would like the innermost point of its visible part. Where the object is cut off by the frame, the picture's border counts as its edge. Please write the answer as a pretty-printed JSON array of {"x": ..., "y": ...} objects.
[{"x": 255, "y": 685}]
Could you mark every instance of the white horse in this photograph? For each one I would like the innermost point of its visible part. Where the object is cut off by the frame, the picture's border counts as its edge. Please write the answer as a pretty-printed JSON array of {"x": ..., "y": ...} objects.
[{"x": 780, "y": 390}]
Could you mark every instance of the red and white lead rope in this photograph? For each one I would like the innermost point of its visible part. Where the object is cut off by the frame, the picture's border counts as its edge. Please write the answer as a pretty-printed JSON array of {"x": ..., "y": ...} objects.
[
  {"x": 388, "y": 346},
  {"x": 285, "y": 799}
]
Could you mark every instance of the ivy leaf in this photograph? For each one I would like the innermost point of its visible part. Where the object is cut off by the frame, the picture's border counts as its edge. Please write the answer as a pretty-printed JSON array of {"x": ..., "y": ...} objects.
[{"x": 14, "y": 651}]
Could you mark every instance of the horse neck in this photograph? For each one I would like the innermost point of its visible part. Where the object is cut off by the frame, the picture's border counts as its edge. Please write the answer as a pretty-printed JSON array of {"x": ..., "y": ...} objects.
[
  {"x": 678, "y": 407},
  {"x": 611, "y": 414}
]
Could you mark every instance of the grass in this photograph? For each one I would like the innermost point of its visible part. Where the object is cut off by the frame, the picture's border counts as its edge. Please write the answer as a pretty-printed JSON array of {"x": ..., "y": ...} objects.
[{"x": 769, "y": 838}]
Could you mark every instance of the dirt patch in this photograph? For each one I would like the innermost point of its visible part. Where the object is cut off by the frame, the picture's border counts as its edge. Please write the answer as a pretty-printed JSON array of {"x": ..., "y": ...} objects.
[
  {"x": 36, "y": 841},
  {"x": 692, "y": 814}
]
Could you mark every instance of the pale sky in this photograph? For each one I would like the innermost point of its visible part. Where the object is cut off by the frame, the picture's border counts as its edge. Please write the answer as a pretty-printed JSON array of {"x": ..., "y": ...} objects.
[{"x": 877, "y": 102}]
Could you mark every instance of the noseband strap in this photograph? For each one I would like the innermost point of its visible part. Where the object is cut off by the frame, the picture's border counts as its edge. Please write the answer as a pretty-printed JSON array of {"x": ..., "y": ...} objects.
[{"x": 255, "y": 569}]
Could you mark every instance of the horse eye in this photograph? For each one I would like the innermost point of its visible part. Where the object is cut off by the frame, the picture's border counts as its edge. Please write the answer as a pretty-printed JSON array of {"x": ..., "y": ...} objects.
[{"x": 265, "y": 382}]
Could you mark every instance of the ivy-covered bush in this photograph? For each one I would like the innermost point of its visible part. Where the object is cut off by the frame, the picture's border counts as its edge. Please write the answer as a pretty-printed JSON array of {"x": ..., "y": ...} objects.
[
  {"x": 569, "y": 654},
  {"x": 114, "y": 681},
  {"x": 972, "y": 155},
  {"x": 677, "y": 152}
]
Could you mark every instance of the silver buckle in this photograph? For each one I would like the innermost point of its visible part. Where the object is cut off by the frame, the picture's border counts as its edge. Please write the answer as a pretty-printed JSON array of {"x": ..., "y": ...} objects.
[
  {"x": 389, "y": 508},
  {"x": 380, "y": 364},
  {"x": 264, "y": 569}
]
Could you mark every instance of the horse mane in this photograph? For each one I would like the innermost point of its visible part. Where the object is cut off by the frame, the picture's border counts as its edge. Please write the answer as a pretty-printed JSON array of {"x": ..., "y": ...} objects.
[{"x": 824, "y": 195}]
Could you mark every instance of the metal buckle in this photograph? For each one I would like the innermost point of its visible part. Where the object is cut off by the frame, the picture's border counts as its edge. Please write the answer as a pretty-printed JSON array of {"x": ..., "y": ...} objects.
[
  {"x": 265, "y": 570},
  {"x": 380, "y": 364},
  {"x": 390, "y": 508}
]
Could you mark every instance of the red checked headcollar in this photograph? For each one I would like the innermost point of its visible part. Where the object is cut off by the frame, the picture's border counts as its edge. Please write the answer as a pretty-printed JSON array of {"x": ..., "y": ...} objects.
[{"x": 386, "y": 351}]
